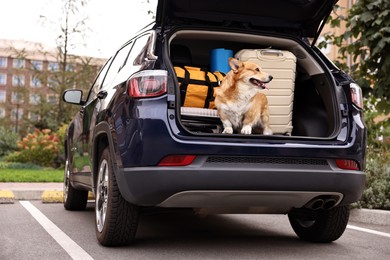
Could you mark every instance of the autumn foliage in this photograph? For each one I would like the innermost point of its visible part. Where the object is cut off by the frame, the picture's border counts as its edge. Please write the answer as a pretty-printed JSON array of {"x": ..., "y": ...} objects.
[{"x": 40, "y": 147}]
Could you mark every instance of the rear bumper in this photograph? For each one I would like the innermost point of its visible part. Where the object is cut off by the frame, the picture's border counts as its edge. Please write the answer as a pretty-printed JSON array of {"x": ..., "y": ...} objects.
[
  {"x": 274, "y": 187},
  {"x": 234, "y": 172}
]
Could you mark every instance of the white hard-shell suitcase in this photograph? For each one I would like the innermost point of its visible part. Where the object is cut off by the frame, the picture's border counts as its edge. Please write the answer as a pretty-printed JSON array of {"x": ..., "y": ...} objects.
[{"x": 281, "y": 65}]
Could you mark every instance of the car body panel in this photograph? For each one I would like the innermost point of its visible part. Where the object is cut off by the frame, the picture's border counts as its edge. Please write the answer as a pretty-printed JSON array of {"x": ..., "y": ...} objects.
[
  {"x": 298, "y": 17},
  {"x": 151, "y": 186}
]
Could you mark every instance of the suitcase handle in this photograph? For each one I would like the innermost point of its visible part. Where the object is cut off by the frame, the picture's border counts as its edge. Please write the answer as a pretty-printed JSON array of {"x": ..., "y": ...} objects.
[{"x": 270, "y": 55}]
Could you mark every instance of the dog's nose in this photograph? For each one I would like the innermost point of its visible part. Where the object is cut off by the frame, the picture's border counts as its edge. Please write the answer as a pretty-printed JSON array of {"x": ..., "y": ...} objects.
[{"x": 270, "y": 77}]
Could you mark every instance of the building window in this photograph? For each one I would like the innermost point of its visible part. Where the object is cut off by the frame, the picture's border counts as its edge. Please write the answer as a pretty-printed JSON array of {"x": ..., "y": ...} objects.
[
  {"x": 3, "y": 79},
  {"x": 17, "y": 98},
  {"x": 34, "y": 117},
  {"x": 19, "y": 63},
  {"x": 53, "y": 66},
  {"x": 52, "y": 99},
  {"x": 16, "y": 114},
  {"x": 35, "y": 99},
  {"x": 3, "y": 96},
  {"x": 37, "y": 64},
  {"x": 35, "y": 82},
  {"x": 3, "y": 62},
  {"x": 2, "y": 112},
  {"x": 69, "y": 67},
  {"x": 18, "y": 80},
  {"x": 52, "y": 82}
]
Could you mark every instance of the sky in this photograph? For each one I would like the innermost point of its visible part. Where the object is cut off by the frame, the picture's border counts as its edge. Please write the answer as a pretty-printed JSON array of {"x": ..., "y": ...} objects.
[{"x": 110, "y": 23}]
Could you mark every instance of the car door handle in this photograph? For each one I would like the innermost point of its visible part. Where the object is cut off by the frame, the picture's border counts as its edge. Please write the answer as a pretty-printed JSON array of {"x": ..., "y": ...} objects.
[{"x": 102, "y": 94}]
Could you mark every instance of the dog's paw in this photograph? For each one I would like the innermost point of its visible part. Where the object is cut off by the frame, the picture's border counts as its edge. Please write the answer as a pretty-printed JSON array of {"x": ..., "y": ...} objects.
[
  {"x": 246, "y": 130},
  {"x": 267, "y": 131},
  {"x": 228, "y": 130}
]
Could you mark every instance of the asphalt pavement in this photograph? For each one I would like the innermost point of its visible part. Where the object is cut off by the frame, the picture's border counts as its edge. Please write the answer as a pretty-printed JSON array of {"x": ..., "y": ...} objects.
[{"x": 51, "y": 192}]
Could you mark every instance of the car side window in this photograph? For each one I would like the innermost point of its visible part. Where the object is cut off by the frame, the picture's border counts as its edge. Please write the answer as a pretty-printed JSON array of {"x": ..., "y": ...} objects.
[
  {"x": 137, "y": 57},
  {"x": 116, "y": 65},
  {"x": 139, "y": 52},
  {"x": 97, "y": 85}
]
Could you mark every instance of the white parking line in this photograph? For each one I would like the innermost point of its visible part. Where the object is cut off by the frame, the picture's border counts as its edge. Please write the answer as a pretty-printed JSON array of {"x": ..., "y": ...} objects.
[
  {"x": 73, "y": 249},
  {"x": 369, "y": 231}
]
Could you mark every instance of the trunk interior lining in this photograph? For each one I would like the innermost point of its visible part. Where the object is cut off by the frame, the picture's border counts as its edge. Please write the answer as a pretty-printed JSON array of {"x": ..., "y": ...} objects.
[{"x": 313, "y": 111}]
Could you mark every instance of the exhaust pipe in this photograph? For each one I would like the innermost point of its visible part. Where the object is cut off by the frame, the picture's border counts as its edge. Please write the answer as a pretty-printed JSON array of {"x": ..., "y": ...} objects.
[
  {"x": 315, "y": 204},
  {"x": 321, "y": 202},
  {"x": 329, "y": 203}
]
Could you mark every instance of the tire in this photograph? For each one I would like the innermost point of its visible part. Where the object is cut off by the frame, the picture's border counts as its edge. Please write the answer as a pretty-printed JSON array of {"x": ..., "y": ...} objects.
[
  {"x": 323, "y": 226},
  {"x": 116, "y": 220},
  {"x": 73, "y": 199}
]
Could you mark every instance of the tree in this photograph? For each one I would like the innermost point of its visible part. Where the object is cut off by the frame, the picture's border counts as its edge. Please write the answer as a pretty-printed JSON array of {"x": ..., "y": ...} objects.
[
  {"x": 367, "y": 42},
  {"x": 58, "y": 71},
  {"x": 72, "y": 29},
  {"x": 150, "y": 4},
  {"x": 8, "y": 141}
]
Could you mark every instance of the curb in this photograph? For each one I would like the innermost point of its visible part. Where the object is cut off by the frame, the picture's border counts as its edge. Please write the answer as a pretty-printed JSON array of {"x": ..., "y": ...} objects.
[
  {"x": 52, "y": 197},
  {"x": 6, "y": 197},
  {"x": 47, "y": 196},
  {"x": 370, "y": 216}
]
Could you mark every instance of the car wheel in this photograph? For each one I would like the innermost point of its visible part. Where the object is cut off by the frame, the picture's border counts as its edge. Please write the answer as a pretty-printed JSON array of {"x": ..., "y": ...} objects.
[
  {"x": 322, "y": 226},
  {"x": 73, "y": 199},
  {"x": 116, "y": 219}
]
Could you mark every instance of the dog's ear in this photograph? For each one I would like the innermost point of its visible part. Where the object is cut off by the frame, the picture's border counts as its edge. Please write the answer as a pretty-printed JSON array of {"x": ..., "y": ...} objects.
[{"x": 234, "y": 64}]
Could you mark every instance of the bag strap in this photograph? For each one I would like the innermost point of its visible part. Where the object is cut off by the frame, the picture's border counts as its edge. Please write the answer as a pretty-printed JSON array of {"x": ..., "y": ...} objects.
[
  {"x": 217, "y": 75},
  {"x": 210, "y": 89},
  {"x": 184, "y": 84},
  {"x": 190, "y": 80}
]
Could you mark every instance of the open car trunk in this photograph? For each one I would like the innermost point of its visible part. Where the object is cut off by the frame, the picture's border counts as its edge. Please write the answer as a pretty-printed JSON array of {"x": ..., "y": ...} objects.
[{"x": 311, "y": 102}]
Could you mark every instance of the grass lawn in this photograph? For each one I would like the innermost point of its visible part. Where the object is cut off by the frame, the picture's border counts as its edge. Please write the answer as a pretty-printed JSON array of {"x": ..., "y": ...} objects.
[{"x": 31, "y": 175}]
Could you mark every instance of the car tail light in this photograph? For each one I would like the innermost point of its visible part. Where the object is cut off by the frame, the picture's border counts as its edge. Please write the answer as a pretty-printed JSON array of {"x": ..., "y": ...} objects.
[
  {"x": 347, "y": 164},
  {"x": 147, "y": 83},
  {"x": 356, "y": 95},
  {"x": 177, "y": 160}
]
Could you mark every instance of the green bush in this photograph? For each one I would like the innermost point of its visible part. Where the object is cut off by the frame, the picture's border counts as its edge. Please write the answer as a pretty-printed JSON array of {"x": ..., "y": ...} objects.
[
  {"x": 39, "y": 147},
  {"x": 61, "y": 132},
  {"x": 8, "y": 141},
  {"x": 16, "y": 165},
  {"x": 377, "y": 192}
]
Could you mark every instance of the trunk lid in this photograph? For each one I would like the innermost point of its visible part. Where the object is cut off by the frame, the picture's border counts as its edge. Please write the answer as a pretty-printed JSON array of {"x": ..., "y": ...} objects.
[{"x": 304, "y": 18}]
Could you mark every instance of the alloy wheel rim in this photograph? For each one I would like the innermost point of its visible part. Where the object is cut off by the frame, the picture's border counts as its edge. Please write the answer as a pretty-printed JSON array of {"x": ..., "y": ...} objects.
[
  {"x": 66, "y": 180},
  {"x": 101, "y": 200}
]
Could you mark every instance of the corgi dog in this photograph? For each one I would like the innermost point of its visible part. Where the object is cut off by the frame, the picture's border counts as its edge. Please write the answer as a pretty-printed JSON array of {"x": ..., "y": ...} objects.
[{"x": 241, "y": 106}]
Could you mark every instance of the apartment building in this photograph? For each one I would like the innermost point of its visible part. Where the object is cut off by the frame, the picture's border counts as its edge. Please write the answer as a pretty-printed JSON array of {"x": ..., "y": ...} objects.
[{"x": 28, "y": 77}]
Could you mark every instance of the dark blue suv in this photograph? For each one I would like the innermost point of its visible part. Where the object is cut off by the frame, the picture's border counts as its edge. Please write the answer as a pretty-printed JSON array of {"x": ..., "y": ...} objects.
[{"x": 135, "y": 146}]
